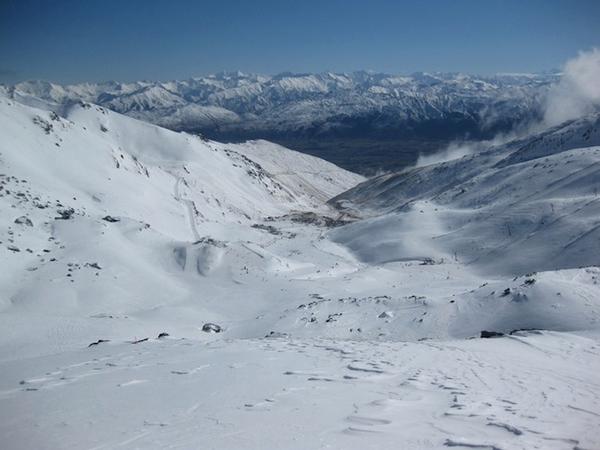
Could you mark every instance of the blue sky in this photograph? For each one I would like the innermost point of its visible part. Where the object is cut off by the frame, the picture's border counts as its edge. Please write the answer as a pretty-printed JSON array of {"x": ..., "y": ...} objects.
[{"x": 89, "y": 40}]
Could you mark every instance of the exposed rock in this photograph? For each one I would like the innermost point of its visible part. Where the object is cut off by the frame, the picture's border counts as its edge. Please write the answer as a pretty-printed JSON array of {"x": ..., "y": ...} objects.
[
  {"x": 277, "y": 334},
  {"x": 333, "y": 317},
  {"x": 44, "y": 124},
  {"x": 210, "y": 241},
  {"x": 111, "y": 219},
  {"x": 268, "y": 228},
  {"x": 211, "y": 328},
  {"x": 99, "y": 341},
  {"x": 24, "y": 220},
  {"x": 311, "y": 218},
  {"x": 490, "y": 334},
  {"x": 65, "y": 214}
]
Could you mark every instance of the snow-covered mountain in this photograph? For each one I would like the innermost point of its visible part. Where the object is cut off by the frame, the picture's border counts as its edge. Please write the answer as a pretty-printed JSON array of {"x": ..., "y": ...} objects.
[
  {"x": 529, "y": 205},
  {"x": 192, "y": 201},
  {"x": 234, "y": 105},
  {"x": 361, "y": 121},
  {"x": 160, "y": 290}
]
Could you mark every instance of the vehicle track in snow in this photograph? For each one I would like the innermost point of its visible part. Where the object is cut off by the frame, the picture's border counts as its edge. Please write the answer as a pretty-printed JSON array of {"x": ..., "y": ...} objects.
[{"x": 188, "y": 205}]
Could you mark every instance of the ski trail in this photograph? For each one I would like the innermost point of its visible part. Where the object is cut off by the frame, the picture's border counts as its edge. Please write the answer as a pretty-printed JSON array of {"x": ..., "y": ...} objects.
[{"x": 189, "y": 208}]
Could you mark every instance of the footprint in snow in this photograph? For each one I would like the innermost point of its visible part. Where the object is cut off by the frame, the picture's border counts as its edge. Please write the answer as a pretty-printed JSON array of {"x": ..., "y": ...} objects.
[
  {"x": 131, "y": 383},
  {"x": 355, "y": 430},
  {"x": 300, "y": 372},
  {"x": 191, "y": 371},
  {"x": 511, "y": 429},
  {"x": 320, "y": 379},
  {"x": 467, "y": 444},
  {"x": 363, "y": 369},
  {"x": 369, "y": 421}
]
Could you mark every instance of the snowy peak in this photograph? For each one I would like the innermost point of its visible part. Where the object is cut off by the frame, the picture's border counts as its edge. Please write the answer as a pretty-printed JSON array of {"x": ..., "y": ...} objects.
[
  {"x": 145, "y": 98},
  {"x": 262, "y": 100}
]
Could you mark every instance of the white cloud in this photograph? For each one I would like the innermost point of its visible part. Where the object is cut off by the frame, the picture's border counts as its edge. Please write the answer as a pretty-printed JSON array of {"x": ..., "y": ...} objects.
[
  {"x": 578, "y": 92},
  {"x": 454, "y": 150}
]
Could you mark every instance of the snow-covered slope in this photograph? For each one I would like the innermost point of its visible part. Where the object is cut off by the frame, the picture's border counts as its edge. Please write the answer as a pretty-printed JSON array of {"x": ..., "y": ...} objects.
[
  {"x": 97, "y": 189},
  {"x": 160, "y": 290},
  {"x": 532, "y": 390},
  {"x": 529, "y": 205},
  {"x": 118, "y": 162}
]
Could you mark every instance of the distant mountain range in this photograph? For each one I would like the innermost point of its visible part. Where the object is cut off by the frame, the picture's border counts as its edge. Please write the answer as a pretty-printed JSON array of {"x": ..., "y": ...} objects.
[{"x": 360, "y": 120}]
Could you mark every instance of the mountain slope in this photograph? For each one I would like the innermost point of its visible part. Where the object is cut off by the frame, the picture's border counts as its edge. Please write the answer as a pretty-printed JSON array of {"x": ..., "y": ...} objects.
[
  {"x": 99, "y": 189},
  {"x": 388, "y": 119},
  {"x": 528, "y": 205},
  {"x": 121, "y": 149},
  {"x": 148, "y": 278}
]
